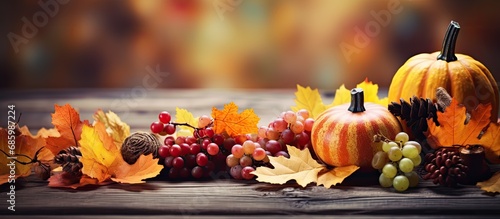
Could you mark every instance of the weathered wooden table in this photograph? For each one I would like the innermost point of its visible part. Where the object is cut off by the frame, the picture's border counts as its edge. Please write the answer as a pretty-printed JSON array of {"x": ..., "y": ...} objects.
[{"x": 215, "y": 198}]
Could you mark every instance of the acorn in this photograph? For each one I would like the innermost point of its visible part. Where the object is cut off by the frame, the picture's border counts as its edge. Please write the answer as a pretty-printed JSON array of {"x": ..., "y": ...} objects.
[{"x": 474, "y": 157}]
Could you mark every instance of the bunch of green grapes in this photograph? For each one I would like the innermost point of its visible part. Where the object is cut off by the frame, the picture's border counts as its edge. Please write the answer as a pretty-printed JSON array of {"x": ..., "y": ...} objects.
[{"x": 397, "y": 162}]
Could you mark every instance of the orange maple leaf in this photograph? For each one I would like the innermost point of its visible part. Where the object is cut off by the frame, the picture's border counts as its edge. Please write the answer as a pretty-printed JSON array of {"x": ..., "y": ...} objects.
[
  {"x": 453, "y": 130},
  {"x": 102, "y": 160},
  {"x": 37, "y": 141},
  {"x": 232, "y": 123},
  {"x": 67, "y": 122},
  {"x": 26, "y": 145}
]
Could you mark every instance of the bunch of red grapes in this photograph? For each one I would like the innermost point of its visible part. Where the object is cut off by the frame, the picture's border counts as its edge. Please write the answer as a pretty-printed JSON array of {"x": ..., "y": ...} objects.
[
  {"x": 206, "y": 153},
  {"x": 289, "y": 128},
  {"x": 194, "y": 156}
]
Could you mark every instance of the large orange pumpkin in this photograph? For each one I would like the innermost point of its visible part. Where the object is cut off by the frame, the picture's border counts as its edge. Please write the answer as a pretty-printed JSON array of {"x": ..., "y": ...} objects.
[
  {"x": 466, "y": 79},
  {"x": 343, "y": 135}
]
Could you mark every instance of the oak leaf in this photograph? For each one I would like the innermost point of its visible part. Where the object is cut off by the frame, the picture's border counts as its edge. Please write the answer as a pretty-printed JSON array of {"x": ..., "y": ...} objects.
[
  {"x": 492, "y": 184},
  {"x": 184, "y": 116},
  {"x": 370, "y": 90},
  {"x": 101, "y": 159},
  {"x": 233, "y": 123},
  {"x": 26, "y": 145},
  {"x": 302, "y": 168},
  {"x": 114, "y": 126},
  {"x": 67, "y": 122},
  {"x": 309, "y": 99}
]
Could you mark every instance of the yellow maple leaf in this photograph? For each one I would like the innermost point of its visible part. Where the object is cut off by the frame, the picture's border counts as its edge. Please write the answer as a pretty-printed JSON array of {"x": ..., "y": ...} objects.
[
  {"x": 336, "y": 175},
  {"x": 302, "y": 168},
  {"x": 114, "y": 126},
  {"x": 370, "y": 90},
  {"x": 96, "y": 156},
  {"x": 184, "y": 116},
  {"x": 101, "y": 159},
  {"x": 492, "y": 184},
  {"x": 342, "y": 95},
  {"x": 230, "y": 121},
  {"x": 371, "y": 93},
  {"x": 309, "y": 99}
]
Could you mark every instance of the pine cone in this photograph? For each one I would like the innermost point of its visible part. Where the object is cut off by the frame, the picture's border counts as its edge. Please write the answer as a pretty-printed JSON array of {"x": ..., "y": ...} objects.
[
  {"x": 450, "y": 166},
  {"x": 416, "y": 113},
  {"x": 445, "y": 167},
  {"x": 69, "y": 159}
]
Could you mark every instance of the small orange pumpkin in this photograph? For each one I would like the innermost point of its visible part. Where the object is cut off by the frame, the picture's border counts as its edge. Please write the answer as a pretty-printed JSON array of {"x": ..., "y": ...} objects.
[
  {"x": 343, "y": 135},
  {"x": 466, "y": 79}
]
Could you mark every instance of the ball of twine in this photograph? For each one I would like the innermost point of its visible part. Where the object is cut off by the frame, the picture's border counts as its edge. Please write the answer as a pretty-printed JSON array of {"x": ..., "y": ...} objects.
[{"x": 139, "y": 143}]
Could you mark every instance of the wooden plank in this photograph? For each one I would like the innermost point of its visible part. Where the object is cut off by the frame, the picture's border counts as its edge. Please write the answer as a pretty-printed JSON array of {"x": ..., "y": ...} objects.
[
  {"x": 232, "y": 197},
  {"x": 239, "y": 216},
  {"x": 218, "y": 198},
  {"x": 141, "y": 111}
]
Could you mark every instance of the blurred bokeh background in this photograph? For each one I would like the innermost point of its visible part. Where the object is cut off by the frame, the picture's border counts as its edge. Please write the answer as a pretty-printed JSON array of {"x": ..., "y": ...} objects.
[{"x": 231, "y": 43}]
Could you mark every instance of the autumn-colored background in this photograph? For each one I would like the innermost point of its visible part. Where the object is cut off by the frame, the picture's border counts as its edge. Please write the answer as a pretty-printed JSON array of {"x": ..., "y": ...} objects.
[{"x": 259, "y": 44}]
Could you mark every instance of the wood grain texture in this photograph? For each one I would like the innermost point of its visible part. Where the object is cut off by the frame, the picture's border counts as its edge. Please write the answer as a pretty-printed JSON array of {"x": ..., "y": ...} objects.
[
  {"x": 140, "y": 109},
  {"x": 230, "y": 197},
  {"x": 223, "y": 197}
]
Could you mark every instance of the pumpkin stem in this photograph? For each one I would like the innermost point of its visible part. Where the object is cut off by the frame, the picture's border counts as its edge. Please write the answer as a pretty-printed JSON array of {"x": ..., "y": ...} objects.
[
  {"x": 357, "y": 100},
  {"x": 448, "y": 51}
]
